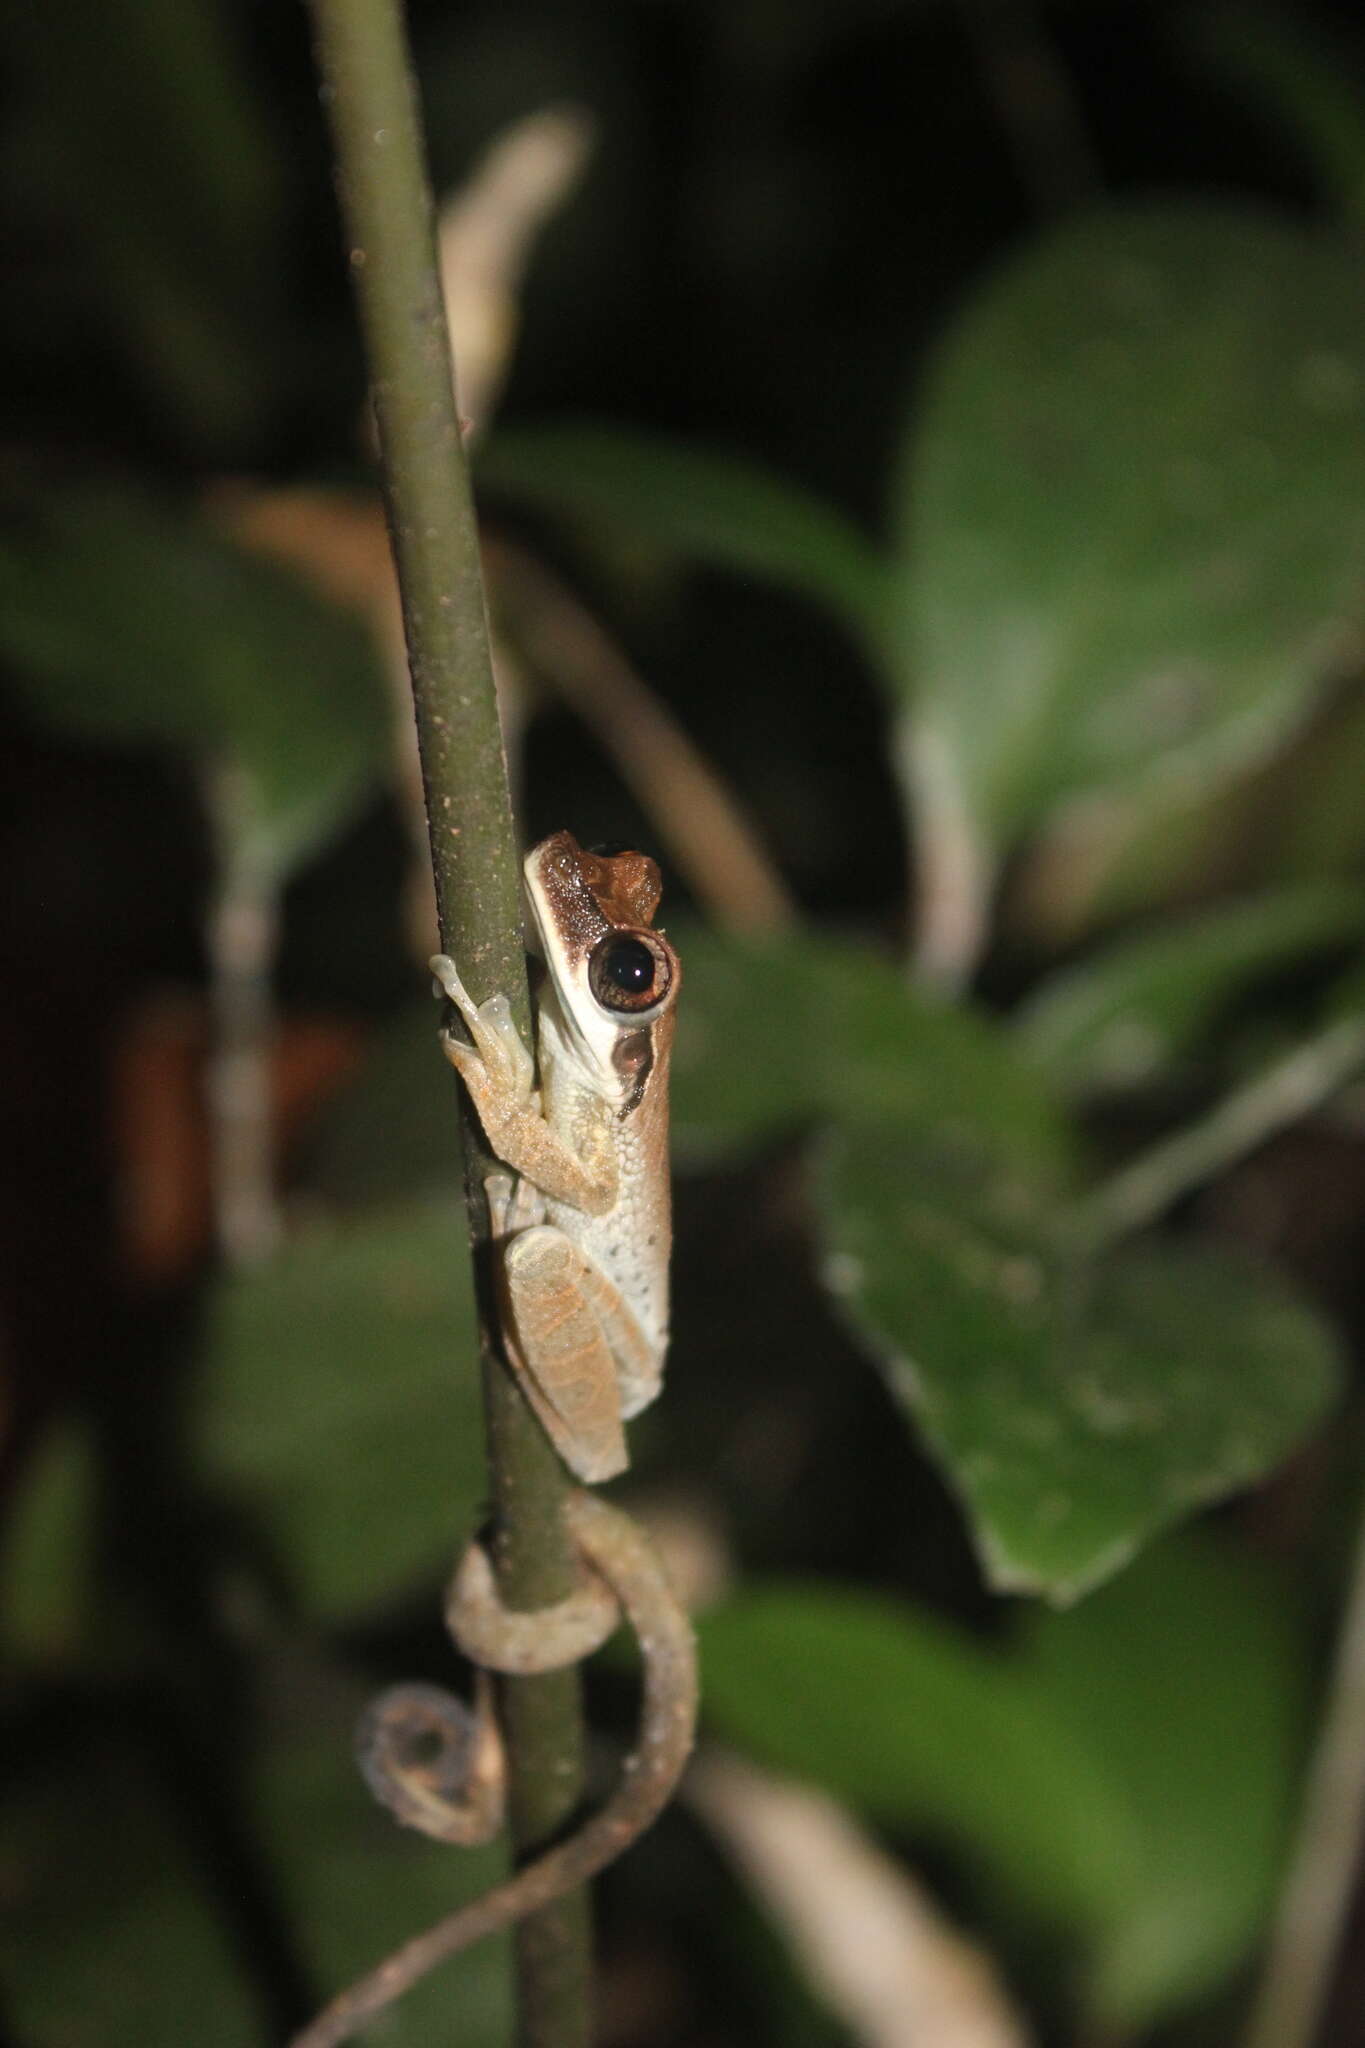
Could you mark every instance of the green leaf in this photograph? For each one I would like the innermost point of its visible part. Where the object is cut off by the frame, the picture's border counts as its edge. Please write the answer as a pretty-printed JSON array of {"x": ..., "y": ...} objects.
[
  {"x": 1133, "y": 512},
  {"x": 45, "y": 1589},
  {"x": 358, "y": 1884},
  {"x": 1122, "y": 1773},
  {"x": 115, "y": 1936},
  {"x": 708, "y": 506},
  {"x": 128, "y": 621},
  {"x": 912, "y": 1722},
  {"x": 394, "y": 1131},
  {"x": 775, "y": 1034},
  {"x": 110, "y": 1937},
  {"x": 1122, "y": 1014},
  {"x": 147, "y": 136},
  {"x": 1076, "y": 1406},
  {"x": 1184, "y": 1678},
  {"x": 341, "y": 1394}
]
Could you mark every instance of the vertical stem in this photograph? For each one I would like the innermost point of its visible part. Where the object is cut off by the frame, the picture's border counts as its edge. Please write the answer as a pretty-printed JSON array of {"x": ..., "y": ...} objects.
[{"x": 387, "y": 213}]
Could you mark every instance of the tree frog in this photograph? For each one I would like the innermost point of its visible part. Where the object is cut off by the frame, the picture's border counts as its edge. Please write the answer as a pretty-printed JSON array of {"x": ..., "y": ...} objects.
[{"x": 584, "y": 1227}]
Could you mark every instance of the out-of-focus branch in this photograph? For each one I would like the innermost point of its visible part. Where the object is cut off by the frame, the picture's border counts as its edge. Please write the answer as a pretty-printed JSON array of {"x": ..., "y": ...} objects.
[
  {"x": 699, "y": 821},
  {"x": 1036, "y": 102},
  {"x": 241, "y": 938},
  {"x": 1300, "y": 1082},
  {"x": 486, "y": 231},
  {"x": 871, "y": 1943},
  {"x": 951, "y": 879},
  {"x": 485, "y": 236}
]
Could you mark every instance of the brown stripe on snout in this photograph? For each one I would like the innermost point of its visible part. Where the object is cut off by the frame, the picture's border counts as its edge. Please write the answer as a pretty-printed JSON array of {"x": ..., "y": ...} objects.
[{"x": 633, "y": 1058}]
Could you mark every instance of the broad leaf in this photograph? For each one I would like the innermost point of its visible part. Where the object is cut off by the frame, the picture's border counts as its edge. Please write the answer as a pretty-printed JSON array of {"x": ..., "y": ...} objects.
[
  {"x": 129, "y": 621},
  {"x": 1184, "y": 1678},
  {"x": 1120, "y": 1015},
  {"x": 1133, "y": 511},
  {"x": 341, "y": 1395},
  {"x": 773, "y": 1035},
  {"x": 700, "y": 503},
  {"x": 914, "y": 1723},
  {"x": 395, "y": 1129},
  {"x": 45, "y": 1587},
  {"x": 116, "y": 1934},
  {"x": 1077, "y": 1406},
  {"x": 160, "y": 170},
  {"x": 1049, "y": 1765},
  {"x": 112, "y": 1937}
]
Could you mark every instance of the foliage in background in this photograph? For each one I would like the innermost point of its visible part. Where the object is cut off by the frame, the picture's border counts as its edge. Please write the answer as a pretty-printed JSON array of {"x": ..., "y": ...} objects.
[{"x": 1122, "y": 577}]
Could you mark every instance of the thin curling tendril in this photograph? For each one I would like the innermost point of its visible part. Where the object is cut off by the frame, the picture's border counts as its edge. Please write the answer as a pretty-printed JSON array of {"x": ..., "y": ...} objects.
[{"x": 620, "y": 1553}]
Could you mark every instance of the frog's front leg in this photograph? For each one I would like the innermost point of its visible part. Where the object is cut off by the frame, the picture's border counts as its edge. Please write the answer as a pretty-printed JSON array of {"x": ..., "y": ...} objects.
[
  {"x": 500, "y": 1076},
  {"x": 574, "y": 1344},
  {"x": 569, "y": 1337}
]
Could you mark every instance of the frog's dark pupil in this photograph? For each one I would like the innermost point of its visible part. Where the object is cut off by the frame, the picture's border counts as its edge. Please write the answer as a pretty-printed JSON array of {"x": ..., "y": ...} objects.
[
  {"x": 629, "y": 966},
  {"x": 610, "y": 848}
]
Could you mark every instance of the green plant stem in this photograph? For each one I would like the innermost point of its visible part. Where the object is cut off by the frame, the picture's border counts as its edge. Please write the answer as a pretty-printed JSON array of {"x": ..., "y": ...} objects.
[
  {"x": 1290, "y": 2004},
  {"x": 388, "y": 218},
  {"x": 1143, "y": 1190}
]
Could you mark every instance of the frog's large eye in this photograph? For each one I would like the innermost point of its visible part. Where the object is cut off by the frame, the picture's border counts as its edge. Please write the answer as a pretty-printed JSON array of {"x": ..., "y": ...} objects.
[{"x": 629, "y": 973}]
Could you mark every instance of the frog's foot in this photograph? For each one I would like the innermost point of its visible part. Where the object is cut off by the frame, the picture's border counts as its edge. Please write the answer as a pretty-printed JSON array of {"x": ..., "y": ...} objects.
[{"x": 497, "y": 1042}]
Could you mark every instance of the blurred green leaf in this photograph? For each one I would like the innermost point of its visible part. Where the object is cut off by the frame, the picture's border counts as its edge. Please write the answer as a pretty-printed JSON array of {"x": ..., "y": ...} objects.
[
  {"x": 1052, "y": 1766},
  {"x": 357, "y": 1883},
  {"x": 111, "y": 1937},
  {"x": 1117, "y": 1017},
  {"x": 1307, "y": 820},
  {"x": 394, "y": 1131},
  {"x": 1346, "y": 996},
  {"x": 1077, "y": 1406},
  {"x": 148, "y": 141},
  {"x": 127, "y": 620},
  {"x": 341, "y": 1394},
  {"x": 130, "y": 1947},
  {"x": 45, "y": 1562},
  {"x": 914, "y": 1723},
  {"x": 1184, "y": 1678},
  {"x": 771, "y": 1035},
  {"x": 1133, "y": 509},
  {"x": 709, "y": 506}
]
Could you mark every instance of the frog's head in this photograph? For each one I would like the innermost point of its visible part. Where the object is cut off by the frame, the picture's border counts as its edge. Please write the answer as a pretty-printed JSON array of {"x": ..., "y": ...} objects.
[{"x": 614, "y": 978}]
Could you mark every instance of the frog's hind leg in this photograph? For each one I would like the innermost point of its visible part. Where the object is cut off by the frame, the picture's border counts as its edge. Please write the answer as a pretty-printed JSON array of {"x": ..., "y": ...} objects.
[{"x": 572, "y": 1340}]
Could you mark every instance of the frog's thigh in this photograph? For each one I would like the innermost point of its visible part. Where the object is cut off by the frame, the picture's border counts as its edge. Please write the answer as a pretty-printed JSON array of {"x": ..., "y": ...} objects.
[{"x": 563, "y": 1316}]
